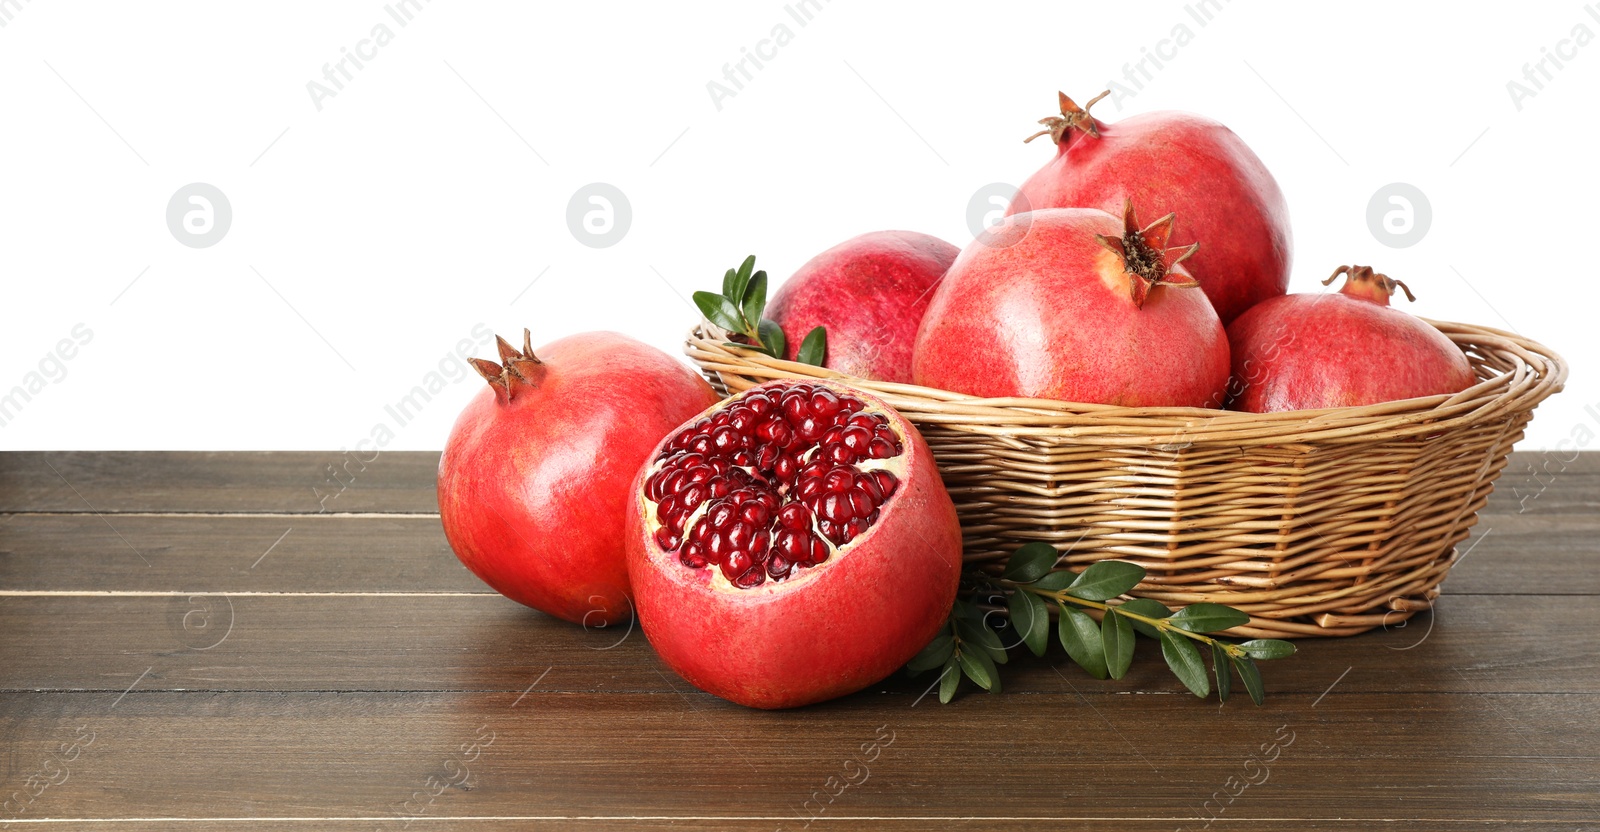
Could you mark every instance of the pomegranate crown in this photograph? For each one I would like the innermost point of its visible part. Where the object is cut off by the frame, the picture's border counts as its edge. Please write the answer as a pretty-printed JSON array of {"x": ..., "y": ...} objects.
[
  {"x": 520, "y": 369},
  {"x": 1072, "y": 117},
  {"x": 1367, "y": 284},
  {"x": 1143, "y": 252}
]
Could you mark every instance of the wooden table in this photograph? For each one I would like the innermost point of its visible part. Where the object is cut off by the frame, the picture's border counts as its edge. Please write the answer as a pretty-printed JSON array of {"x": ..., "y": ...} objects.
[{"x": 188, "y": 636}]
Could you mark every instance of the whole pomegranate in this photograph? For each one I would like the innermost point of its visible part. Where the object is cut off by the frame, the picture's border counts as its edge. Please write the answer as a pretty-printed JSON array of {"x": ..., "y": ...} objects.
[
  {"x": 534, "y": 481},
  {"x": 1304, "y": 352},
  {"x": 1175, "y": 162},
  {"x": 791, "y": 545},
  {"x": 1078, "y": 305},
  {"x": 869, "y": 294}
]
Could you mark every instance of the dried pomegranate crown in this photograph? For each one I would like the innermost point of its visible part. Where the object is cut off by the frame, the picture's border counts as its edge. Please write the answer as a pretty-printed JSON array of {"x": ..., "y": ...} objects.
[
  {"x": 1364, "y": 283},
  {"x": 1072, "y": 117},
  {"x": 1144, "y": 255},
  {"x": 521, "y": 369}
]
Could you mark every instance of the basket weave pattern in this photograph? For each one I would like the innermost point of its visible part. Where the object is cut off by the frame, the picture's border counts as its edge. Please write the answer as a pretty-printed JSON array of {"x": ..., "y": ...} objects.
[{"x": 1327, "y": 522}]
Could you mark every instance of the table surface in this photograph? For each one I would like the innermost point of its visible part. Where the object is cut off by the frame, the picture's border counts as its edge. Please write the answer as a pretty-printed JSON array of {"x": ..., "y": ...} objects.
[{"x": 244, "y": 642}]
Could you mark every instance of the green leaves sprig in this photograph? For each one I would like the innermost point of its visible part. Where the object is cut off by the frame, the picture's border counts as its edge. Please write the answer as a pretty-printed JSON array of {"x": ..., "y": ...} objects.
[
  {"x": 738, "y": 310},
  {"x": 969, "y": 647}
]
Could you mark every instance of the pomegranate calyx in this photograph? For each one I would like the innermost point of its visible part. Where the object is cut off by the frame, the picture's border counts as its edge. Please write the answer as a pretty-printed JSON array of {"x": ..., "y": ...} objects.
[
  {"x": 1072, "y": 117},
  {"x": 1144, "y": 255},
  {"x": 1364, "y": 283},
  {"x": 520, "y": 368}
]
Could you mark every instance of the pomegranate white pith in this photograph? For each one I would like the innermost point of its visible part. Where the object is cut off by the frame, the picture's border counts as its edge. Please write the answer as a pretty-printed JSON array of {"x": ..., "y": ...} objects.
[{"x": 754, "y": 626}]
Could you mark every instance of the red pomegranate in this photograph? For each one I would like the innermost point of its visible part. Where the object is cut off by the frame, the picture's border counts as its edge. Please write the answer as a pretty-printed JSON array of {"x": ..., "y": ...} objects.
[
  {"x": 1175, "y": 162},
  {"x": 1305, "y": 351},
  {"x": 791, "y": 545},
  {"x": 1077, "y": 305},
  {"x": 535, "y": 477},
  {"x": 869, "y": 293}
]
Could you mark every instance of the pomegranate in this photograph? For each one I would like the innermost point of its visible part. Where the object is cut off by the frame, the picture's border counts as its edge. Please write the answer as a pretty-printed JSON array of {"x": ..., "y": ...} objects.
[
  {"x": 869, "y": 294},
  {"x": 534, "y": 479},
  {"x": 1175, "y": 162},
  {"x": 791, "y": 545},
  {"x": 1310, "y": 351},
  {"x": 1077, "y": 305}
]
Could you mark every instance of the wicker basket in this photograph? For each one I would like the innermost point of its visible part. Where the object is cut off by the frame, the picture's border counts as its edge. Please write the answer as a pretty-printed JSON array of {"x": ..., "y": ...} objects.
[{"x": 1325, "y": 522}]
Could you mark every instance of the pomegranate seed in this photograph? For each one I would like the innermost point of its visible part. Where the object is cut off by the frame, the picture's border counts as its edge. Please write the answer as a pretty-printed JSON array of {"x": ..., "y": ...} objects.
[
  {"x": 786, "y": 469},
  {"x": 866, "y": 483},
  {"x": 702, "y": 531},
  {"x": 693, "y": 557},
  {"x": 856, "y": 438},
  {"x": 819, "y": 552},
  {"x": 736, "y": 563},
  {"x": 792, "y": 545},
  {"x": 809, "y": 487},
  {"x": 831, "y": 437},
  {"x": 860, "y": 504},
  {"x": 743, "y": 458},
  {"x": 719, "y": 516},
  {"x": 725, "y": 439},
  {"x": 794, "y": 516},
  {"x": 741, "y": 419},
  {"x": 886, "y": 482},
  {"x": 693, "y": 496},
  {"x": 719, "y": 487},
  {"x": 666, "y": 539},
  {"x": 855, "y": 528},
  {"x": 778, "y": 568},
  {"x": 720, "y": 418},
  {"x": 824, "y": 402},
  {"x": 701, "y": 444},
  {"x": 836, "y": 507},
  {"x": 839, "y": 479},
  {"x": 757, "y": 514},
  {"x": 809, "y": 429},
  {"x": 794, "y": 406},
  {"x": 752, "y": 579},
  {"x": 759, "y": 404},
  {"x": 766, "y": 457},
  {"x": 829, "y": 529},
  {"x": 739, "y": 535},
  {"x": 839, "y": 455},
  {"x": 880, "y": 449},
  {"x": 717, "y": 549}
]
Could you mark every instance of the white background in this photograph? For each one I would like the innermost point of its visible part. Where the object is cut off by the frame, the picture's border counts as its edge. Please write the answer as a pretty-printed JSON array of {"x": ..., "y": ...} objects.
[{"x": 428, "y": 194}]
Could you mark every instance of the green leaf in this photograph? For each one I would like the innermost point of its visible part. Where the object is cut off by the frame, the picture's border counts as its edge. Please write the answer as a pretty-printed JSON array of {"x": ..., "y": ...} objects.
[
  {"x": 936, "y": 653},
  {"x": 1186, "y": 664},
  {"x": 728, "y": 284},
  {"x": 1081, "y": 636},
  {"x": 949, "y": 681},
  {"x": 977, "y": 634},
  {"x": 1208, "y": 618},
  {"x": 814, "y": 349},
  {"x": 1268, "y": 648},
  {"x": 1105, "y": 580},
  {"x": 1251, "y": 676},
  {"x": 733, "y": 289},
  {"x": 1223, "y": 673},
  {"x": 1056, "y": 581},
  {"x": 719, "y": 310},
  {"x": 1116, "y": 636},
  {"x": 1149, "y": 609},
  {"x": 977, "y": 667},
  {"x": 1030, "y": 562},
  {"x": 772, "y": 337},
  {"x": 755, "y": 298},
  {"x": 1031, "y": 618}
]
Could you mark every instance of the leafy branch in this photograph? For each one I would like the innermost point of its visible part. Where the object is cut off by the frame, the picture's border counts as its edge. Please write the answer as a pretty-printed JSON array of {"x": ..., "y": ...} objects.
[
  {"x": 739, "y": 308},
  {"x": 1103, "y": 648}
]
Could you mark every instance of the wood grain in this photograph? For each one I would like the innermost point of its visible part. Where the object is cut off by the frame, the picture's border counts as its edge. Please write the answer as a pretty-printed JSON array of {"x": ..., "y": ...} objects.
[
  {"x": 248, "y": 662},
  {"x": 552, "y": 753}
]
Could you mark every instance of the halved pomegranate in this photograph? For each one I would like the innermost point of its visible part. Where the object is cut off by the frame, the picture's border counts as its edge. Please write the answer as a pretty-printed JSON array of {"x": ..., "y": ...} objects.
[{"x": 792, "y": 544}]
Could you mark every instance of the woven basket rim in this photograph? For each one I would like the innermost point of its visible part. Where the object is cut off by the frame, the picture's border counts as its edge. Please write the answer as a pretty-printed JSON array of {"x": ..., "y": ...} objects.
[{"x": 1521, "y": 374}]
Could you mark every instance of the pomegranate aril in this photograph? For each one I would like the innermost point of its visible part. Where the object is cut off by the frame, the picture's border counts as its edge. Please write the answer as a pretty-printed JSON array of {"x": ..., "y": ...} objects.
[
  {"x": 860, "y": 504},
  {"x": 809, "y": 429},
  {"x": 718, "y": 487},
  {"x": 880, "y": 449},
  {"x": 720, "y": 418},
  {"x": 793, "y": 545},
  {"x": 759, "y": 404},
  {"x": 855, "y": 437},
  {"x": 692, "y": 496},
  {"x": 756, "y": 514},
  {"x": 831, "y": 437},
  {"x": 739, "y": 535},
  {"x": 865, "y": 482},
  {"x": 766, "y": 457},
  {"x": 702, "y": 531},
  {"x": 701, "y": 444},
  {"x": 840, "y": 455},
  {"x": 794, "y": 406},
  {"x": 693, "y": 556},
  {"x": 824, "y": 402},
  {"x": 666, "y": 539},
  {"x": 855, "y": 528},
  {"x": 839, "y": 479},
  {"x": 778, "y": 567},
  {"x": 836, "y": 507},
  {"x": 751, "y": 579},
  {"x": 768, "y": 499},
  {"x": 735, "y": 563},
  {"x": 809, "y": 487},
  {"x": 786, "y": 469},
  {"x": 719, "y": 516},
  {"x": 794, "y": 516},
  {"x": 741, "y": 419},
  {"x": 819, "y": 552},
  {"x": 744, "y": 458},
  {"x": 886, "y": 482}
]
